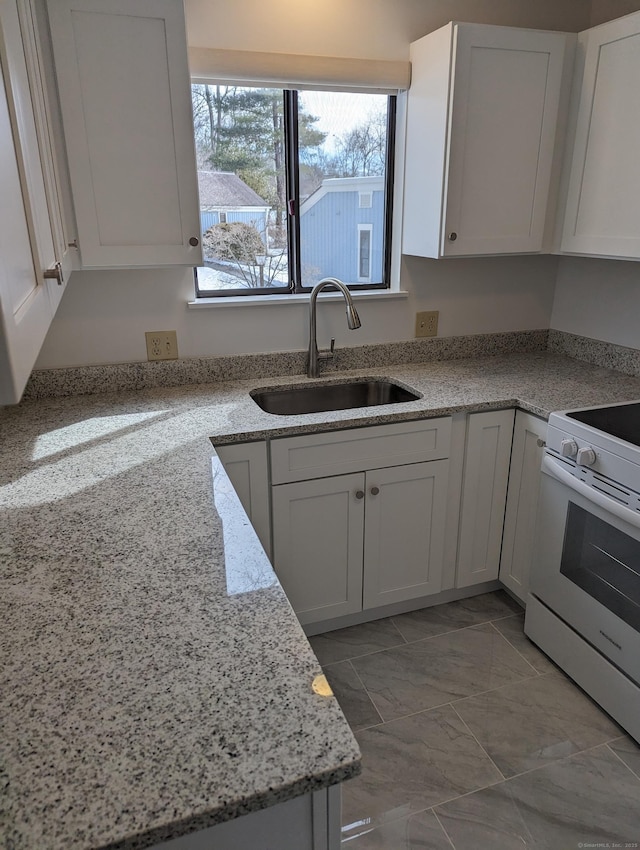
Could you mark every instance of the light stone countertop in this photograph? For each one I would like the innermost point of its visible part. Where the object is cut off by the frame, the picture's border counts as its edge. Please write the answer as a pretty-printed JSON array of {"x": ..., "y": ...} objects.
[{"x": 155, "y": 680}]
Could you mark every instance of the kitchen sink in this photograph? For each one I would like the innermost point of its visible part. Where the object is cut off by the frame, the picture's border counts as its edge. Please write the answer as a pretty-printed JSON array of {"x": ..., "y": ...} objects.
[{"x": 289, "y": 401}]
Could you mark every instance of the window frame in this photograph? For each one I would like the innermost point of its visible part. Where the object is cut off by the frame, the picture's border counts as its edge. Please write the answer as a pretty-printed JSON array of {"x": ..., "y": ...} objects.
[{"x": 292, "y": 163}]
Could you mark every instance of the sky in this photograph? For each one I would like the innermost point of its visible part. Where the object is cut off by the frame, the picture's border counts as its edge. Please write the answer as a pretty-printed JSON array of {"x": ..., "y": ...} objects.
[{"x": 340, "y": 111}]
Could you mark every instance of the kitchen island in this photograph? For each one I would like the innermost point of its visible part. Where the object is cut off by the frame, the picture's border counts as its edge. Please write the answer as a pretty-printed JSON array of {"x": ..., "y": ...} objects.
[{"x": 155, "y": 679}]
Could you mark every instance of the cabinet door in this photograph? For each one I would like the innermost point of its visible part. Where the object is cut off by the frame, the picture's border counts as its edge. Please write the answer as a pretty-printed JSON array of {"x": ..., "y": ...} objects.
[
  {"x": 48, "y": 125},
  {"x": 404, "y": 532},
  {"x": 126, "y": 106},
  {"x": 506, "y": 92},
  {"x": 27, "y": 250},
  {"x": 522, "y": 503},
  {"x": 484, "y": 493},
  {"x": 482, "y": 118},
  {"x": 603, "y": 198},
  {"x": 246, "y": 466},
  {"x": 318, "y": 529}
]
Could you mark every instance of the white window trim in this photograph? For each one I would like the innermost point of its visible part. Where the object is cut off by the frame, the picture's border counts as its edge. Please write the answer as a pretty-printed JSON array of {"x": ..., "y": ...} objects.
[
  {"x": 394, "y": 291},
  {"x": 365, "y": 228},
  {"x": 284, "y": 300}
]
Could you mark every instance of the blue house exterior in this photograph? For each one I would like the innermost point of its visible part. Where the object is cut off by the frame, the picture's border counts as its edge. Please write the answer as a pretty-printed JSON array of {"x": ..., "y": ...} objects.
[
  {"x": 342, "y": 230},
  {"x": 225, "y": 198}
]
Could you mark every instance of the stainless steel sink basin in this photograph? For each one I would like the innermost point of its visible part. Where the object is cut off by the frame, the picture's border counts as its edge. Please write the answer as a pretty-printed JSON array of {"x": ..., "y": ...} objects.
[{"x": 338, "y": 396}]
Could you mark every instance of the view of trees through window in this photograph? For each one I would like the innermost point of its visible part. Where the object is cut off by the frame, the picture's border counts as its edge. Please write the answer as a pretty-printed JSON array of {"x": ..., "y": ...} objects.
[{"x": 245, "y": 191}]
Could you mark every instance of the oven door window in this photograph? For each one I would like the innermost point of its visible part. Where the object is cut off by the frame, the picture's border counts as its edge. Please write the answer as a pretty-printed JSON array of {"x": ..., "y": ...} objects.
[{"x": 604, "y": 562}]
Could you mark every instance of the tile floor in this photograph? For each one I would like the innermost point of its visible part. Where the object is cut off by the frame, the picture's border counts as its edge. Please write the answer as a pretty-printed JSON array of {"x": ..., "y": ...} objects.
[{"x": 472, "y": 739}]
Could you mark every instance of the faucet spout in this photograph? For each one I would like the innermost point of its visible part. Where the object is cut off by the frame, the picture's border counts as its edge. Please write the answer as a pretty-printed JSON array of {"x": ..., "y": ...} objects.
[{"x": 353, "y": 321}]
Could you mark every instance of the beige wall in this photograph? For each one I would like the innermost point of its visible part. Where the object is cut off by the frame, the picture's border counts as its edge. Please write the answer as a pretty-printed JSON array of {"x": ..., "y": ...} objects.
[
  {"x": 103, "y": 315},
  {"x": 599, "y": 299}
]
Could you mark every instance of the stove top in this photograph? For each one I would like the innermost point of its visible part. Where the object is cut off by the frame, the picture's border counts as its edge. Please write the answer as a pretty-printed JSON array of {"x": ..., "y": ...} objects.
[{"x": 619, "y": 420}]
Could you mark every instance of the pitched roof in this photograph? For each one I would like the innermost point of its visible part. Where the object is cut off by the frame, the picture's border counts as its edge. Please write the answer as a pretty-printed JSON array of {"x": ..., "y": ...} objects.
[{"x": 225, "y": 189}]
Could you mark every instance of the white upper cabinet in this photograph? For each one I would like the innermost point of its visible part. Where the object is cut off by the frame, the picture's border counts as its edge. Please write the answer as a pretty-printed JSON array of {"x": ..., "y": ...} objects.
[
  {"x": 125, "y": 96},
  {"x": 602, "y": 215},
  {"x": 34, "y": 258},
  {"x": 482, "y": 115}
]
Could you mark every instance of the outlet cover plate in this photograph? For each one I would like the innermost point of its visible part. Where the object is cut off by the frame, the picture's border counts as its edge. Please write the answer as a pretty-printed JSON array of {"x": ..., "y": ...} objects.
[
  {"x": 427, "y": 323},
  {"x": 162, "y": 345}
]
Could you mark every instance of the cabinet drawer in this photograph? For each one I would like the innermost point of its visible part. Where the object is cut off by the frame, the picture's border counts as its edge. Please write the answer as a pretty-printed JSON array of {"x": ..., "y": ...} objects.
[{"x": 358, "y": 449}]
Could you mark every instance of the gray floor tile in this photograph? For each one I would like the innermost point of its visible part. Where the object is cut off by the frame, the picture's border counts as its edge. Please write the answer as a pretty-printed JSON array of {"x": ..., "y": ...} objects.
[
  {"x": 409, "y": 765},
  {"x": 529, "y": 724},
  {"x": 350, "y": 693},
  {"x": 513, "y": 630},
  {"x": 589, "y": 800},
  {"x": 431, "y": 672},
  {"x": 417, "y": 832},
  {"x": 355, "y": 640},
  {"x": 629, "y": 752},
  {"x": 440, "y": 619}
]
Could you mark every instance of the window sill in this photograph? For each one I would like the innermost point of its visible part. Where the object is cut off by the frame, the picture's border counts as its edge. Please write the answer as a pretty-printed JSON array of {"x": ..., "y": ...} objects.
[{"x": 291, "y": 300}]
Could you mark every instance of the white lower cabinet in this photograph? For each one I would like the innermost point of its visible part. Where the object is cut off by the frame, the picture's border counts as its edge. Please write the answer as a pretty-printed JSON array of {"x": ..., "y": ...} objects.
[
  {"x": 529, "y": 435},
  {"x": 484, "y": 493},
  {"x": 308, "y": 822},
  {"x": 318, "y": 529},
  {"x": 246, "y": 466},
  {"x": 404, "y": 532},
  {"x": 344, "y": 543},
  {"x": 366, "y": 518}
]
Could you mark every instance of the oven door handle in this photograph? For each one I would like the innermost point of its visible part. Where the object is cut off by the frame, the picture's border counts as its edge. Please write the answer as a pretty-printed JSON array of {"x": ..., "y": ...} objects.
[{"x": 610, "y": 505}]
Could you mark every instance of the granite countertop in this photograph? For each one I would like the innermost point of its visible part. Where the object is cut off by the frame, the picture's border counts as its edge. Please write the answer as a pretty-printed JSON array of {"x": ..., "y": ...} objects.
[{"x": 155, "y": 680}]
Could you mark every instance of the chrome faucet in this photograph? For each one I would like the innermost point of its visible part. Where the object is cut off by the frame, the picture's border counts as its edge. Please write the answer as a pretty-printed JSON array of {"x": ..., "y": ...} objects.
[{"x": 353, "y": 320}]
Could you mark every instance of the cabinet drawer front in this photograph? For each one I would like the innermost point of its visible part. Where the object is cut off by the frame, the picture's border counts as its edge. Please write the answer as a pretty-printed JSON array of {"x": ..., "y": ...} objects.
[{"x": 359, "y": 449}]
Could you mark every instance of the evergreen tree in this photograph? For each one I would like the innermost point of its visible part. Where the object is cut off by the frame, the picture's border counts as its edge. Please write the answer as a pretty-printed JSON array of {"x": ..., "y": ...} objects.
[{"x": 242, "y": 130}]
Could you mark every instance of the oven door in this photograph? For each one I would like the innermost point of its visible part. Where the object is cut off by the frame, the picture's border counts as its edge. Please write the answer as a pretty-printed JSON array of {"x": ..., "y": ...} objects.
[{"x": 586, "y": 565}]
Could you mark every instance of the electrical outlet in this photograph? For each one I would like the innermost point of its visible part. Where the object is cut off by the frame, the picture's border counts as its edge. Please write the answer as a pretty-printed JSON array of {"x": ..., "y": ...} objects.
[
  {"x": 162, "y": 345},
  {"x": 427, "y": 323}
]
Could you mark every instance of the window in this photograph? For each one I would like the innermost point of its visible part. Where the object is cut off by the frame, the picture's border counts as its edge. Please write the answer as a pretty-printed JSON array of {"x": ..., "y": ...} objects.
[
  {"x": 286, "y": 178},
  {"x": 364, "y": 251}
]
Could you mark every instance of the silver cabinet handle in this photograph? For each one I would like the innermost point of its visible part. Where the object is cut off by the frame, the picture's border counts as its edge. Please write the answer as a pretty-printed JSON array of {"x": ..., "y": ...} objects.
[
  {"x": 194, "y": 241},
  {"x": 540, "y": 443},
  {"x": 54, "y": 274},
  {"x": 453, "y": 236},
  {"x": 375, "y": 491},
  {"x": 359, "y": 494}
]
